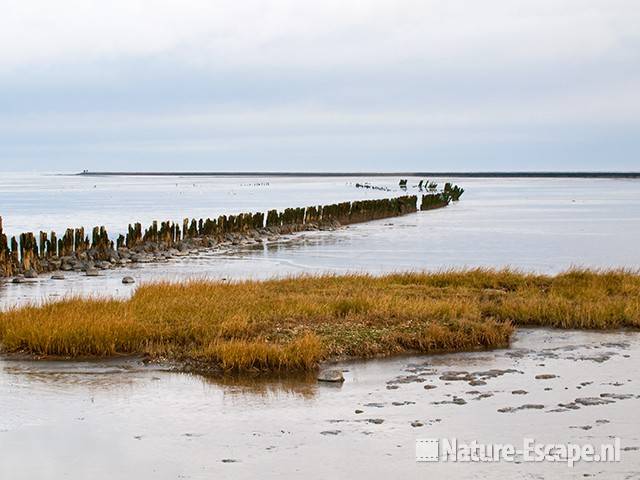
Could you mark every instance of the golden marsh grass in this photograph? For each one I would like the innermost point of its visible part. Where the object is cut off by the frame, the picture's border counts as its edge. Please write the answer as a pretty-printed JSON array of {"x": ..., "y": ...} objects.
[{"x": 294, "y": 323}]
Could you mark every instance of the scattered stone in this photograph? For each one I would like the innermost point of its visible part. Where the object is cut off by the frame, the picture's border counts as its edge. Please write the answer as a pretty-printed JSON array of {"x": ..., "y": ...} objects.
[
  {"x": 92, "y": 272},
  {"x": 456, "y": 376},
  {"x": 376, "y": 421},
  {"x": 331, "y": 432},
  {"x": 519, "y": 392},
  {"x": 333, "y": 376},
  {"x": 455, "y": 401},
  {"x": 617, "y": 396},
  {"x": 359, "y": 411},
  {"x": 30, "y": 274},
  {"x": 475, "y": 383},
  {"x": 428, "y": 387},
  {"x": 127, "y": 280},
  {"x": 400, "y": 404},
  {"x": 57, "y": 276},
  {"x": 228, "y": 460},
  {"x": 569, "y": 406},
  {"x": 614, "y": 384},
  {"x": 545, "y": 376},
  {"x": 406, "y": 379},
  {"x": 590, "y": 401},
  {"x": 374, "y": 405},
  {"x": 527, "y": 406},
  {"x": 417, "y": 424},
  {"x": 484, "y": 395}
]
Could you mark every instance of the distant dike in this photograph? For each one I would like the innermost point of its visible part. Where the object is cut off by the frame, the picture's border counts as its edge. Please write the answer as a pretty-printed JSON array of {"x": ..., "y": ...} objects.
[{"x": 373, "y": 174}]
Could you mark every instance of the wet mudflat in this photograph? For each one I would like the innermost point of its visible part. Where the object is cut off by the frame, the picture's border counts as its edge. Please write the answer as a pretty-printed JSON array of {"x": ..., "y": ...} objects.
[{"x": 119, "y": 418}]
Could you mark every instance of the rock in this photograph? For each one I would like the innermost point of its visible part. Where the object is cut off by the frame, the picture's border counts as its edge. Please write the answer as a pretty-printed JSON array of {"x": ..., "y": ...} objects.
[
  {"x": 127, "y": 280},
  {"x": 617, "y": 396},
  {"x": 456, "y": 376},
  {"x": 19, "y": 279},
  {"x": 55, "y": 263},
  {"x": 359, "y": 411},
  {"x": 30, "y": 274},
  {"x": 528, "y": 406},
  {"x": 417, "y": 424},
  {"x": 519, "y": 392},
  {"x": 91, "y": 272},
  {"x": 484, "y": 395},
  {"x": 545, "y": 376},
  {"x": 331, "y": 376},
  {"x": 57, "y": 276},
  {"x": 66, "y": 267},
  {"x": 375, "y": 421},
  {"x": 590, "y": 401},
  {"x": 429, "y": 387},
  {"x": 476, "y": 383}
]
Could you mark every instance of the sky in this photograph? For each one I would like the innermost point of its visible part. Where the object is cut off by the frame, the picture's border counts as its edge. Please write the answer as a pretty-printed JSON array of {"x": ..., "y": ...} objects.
[{"x": 297, "y": 85}]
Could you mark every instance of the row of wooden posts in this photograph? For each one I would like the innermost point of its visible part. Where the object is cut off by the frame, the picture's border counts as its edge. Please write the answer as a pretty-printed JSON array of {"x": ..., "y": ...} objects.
[{"x": 26, "y": 252}]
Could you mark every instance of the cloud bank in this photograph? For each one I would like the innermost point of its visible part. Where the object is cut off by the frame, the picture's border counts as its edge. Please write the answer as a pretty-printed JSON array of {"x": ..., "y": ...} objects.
[{"x": 291, "y": 85}]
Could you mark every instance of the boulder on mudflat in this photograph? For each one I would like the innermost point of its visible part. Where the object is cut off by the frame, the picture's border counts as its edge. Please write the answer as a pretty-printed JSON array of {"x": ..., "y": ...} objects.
[
  {"x": 57, "y": 276},
  {"x": 331, "y": 375},
  {"x": 127, "y": 280}
]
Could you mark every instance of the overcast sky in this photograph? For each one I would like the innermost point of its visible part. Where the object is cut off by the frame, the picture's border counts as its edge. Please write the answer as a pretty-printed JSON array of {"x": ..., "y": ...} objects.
[{"x": 320, "y": 85}]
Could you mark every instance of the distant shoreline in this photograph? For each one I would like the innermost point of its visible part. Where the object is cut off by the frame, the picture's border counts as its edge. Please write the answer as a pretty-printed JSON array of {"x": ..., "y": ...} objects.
[{"x": 372, "y": 174}]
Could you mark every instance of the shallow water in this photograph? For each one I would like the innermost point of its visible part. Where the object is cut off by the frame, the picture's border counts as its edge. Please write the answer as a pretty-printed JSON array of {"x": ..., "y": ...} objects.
[
  {"x": 118, "y": 419},
  {"x": 544, "y": 225},
  {"x": 121, "y": 419}
]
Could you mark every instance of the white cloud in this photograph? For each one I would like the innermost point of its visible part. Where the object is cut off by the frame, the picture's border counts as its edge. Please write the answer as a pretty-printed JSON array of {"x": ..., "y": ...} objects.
[{"x": 215, "y": 34}]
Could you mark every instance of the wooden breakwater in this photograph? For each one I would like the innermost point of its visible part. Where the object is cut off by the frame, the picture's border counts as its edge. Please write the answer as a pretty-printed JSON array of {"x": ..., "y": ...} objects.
[
  {"x": 29, "y": 254},
  {"x": 450, "y": 193}
]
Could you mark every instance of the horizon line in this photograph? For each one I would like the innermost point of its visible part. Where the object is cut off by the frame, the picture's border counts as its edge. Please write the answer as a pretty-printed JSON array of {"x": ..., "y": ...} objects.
[{"x": 477, "y": 174}]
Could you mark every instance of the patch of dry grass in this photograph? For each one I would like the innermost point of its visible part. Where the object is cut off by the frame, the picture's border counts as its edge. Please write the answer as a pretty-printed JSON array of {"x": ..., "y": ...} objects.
[{"x": 294, "y": 323}]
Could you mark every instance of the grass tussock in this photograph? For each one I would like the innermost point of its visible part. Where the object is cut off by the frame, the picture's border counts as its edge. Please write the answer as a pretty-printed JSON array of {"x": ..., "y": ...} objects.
[{"x": 294, "y": 323}]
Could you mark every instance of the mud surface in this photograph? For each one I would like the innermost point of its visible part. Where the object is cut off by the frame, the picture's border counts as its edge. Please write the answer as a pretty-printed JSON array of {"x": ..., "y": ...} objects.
[{"x": 118, "y": 418}]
